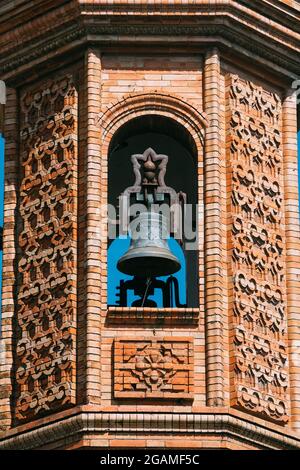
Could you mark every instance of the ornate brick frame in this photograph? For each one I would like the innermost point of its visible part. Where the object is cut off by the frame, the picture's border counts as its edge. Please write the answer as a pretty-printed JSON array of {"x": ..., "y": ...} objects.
[
  {"x": 97, "y": 133},
  {"x": 135, "y": 105},
  {"x": 155, "y": 102}
]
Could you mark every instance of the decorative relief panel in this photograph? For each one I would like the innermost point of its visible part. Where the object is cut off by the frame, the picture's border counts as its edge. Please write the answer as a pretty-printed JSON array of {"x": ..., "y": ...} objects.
[
  {"x": 153, "y": 368},
  {"x": 45, "y": 347},
  {"x": 259, "y": 340}
]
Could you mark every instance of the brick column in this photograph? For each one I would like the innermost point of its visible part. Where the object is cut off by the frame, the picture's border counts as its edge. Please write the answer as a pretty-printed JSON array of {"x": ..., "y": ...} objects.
[
  {"x": 292, "y": 249},
  {"x": 214, "y": 279},
  {"x": 93, "y": 262},
  {"x": 9, "y": 253}
]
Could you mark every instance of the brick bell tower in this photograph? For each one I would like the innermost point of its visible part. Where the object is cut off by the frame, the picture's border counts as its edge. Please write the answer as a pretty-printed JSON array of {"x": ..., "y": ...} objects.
[{"x": 211, "y": 84}]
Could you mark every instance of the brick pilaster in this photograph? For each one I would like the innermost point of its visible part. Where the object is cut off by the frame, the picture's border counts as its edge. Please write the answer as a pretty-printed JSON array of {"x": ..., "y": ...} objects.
[
  {"x": 9, "y": 252},
  {"x": 93, "y": 263},
  {"x": 213, "y": 235},
  {"x": 292, "y": 249}
]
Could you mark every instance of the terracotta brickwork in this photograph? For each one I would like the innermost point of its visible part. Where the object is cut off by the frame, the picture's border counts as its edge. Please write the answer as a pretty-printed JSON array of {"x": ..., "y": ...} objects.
[
  {"x": 76, "y": 373},
  {"x": 44, "y": 368},
  {"x": 92, "y": 270},
  {"x": 129, "y": 106},
  {"x": 291, "y": 200},
  {"x": 150, "y": 368},
  {"x": 214, "y": 269},
  {"x": 259, "y": 321},
  {"x": 135, "y": 74},
  {"x": 11, "y": 167}
]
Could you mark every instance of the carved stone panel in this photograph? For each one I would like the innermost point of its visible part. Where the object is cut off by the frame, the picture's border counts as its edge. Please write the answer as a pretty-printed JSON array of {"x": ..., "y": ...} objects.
[
  {"x": 153, "y": 368},
  {"x": 259, "y": 329},
  {"x": 45, "y": 345}
]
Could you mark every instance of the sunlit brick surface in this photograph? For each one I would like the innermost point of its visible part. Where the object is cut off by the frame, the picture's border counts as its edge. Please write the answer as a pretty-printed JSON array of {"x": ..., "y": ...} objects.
[{"x": 76, "y": 374}]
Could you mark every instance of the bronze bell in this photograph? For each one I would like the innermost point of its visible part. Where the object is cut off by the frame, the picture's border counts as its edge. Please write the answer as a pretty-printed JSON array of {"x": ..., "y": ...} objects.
[{"x": 149, "y": 254}]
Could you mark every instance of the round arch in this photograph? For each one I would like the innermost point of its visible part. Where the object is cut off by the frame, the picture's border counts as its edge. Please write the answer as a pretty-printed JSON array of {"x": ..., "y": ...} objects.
[
  {"x": 142, "y": 104},
  {"x": 131, "y": 107}
]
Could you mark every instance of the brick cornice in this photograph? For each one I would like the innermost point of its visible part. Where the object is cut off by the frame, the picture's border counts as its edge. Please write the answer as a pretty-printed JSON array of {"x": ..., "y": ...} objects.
[
  {"x": 83, "y": 423},
  {"x": 261, "y": 12},
  {"x": 14, "y": 13},
  {"x": 228, "y": 24},
  {"x": 107, "y": 36},
  {"x": 284, "y": 12}
]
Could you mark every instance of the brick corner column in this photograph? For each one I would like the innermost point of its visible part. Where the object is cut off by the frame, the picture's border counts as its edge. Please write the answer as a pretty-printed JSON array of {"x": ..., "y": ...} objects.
[
  {"x": 93, "y": 245},
  {"x": 213, "y": 233},
  {"x": 10, "y": 129},
  {"x": 290, "y": 161}
]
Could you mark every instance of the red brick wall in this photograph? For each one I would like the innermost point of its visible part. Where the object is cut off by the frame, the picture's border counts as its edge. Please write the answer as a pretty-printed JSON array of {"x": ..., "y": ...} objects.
[
  {"x": 179, "y": 75},
  {"x": 199, "y": 91}
]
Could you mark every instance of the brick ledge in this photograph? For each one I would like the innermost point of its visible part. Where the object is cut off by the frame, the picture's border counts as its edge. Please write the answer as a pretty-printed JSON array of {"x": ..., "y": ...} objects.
[
  {"x": 152, "y": 316},
  {"x": 137, "y": 424}
]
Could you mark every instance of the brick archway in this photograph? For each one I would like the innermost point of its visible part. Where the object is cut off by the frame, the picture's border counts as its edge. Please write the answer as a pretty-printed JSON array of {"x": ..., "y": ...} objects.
[
  {"x": 154, "y": 103},
  {"x": 133, "y": 106}
]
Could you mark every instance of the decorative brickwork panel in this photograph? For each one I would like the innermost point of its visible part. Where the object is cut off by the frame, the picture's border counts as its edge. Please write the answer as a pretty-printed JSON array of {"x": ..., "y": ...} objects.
[
  {"x": 153, "y": 368},
  {"x": 259, "y": 336},
  {"x": 45, "y": 350}
]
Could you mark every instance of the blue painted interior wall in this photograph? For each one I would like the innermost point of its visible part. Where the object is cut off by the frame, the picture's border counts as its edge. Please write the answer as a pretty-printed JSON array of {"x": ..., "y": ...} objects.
[{"x": 118, "y": 249}]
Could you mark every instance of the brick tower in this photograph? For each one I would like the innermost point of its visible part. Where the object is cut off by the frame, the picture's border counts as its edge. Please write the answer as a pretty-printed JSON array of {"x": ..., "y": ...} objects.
[{"x": 224, "y": 371}]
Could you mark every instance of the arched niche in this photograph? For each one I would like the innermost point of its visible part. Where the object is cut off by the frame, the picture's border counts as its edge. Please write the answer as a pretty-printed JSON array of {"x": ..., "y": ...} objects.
[{"x": 165, "y": 136}]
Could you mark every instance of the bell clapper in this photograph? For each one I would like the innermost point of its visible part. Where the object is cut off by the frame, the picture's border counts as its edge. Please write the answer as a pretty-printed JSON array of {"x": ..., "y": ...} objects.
[{"x": 148, "y": 283}]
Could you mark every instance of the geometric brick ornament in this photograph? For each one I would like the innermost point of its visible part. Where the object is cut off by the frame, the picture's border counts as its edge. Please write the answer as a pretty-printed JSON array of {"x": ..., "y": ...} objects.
[
  {"x": 259, "y": 325},
  {"x": 153, "y": 368},
  {"x": 44, "y": 369}
]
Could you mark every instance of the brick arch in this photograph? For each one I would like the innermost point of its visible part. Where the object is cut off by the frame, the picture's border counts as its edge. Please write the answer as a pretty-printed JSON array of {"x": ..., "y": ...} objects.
[
  {"x": 133, "y": 106},
  {"x": 153, "y": 103}
]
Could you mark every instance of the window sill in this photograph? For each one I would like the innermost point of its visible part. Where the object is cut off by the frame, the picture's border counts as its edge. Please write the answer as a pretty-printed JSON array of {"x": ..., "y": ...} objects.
[{"x": 152, "y": 316}]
